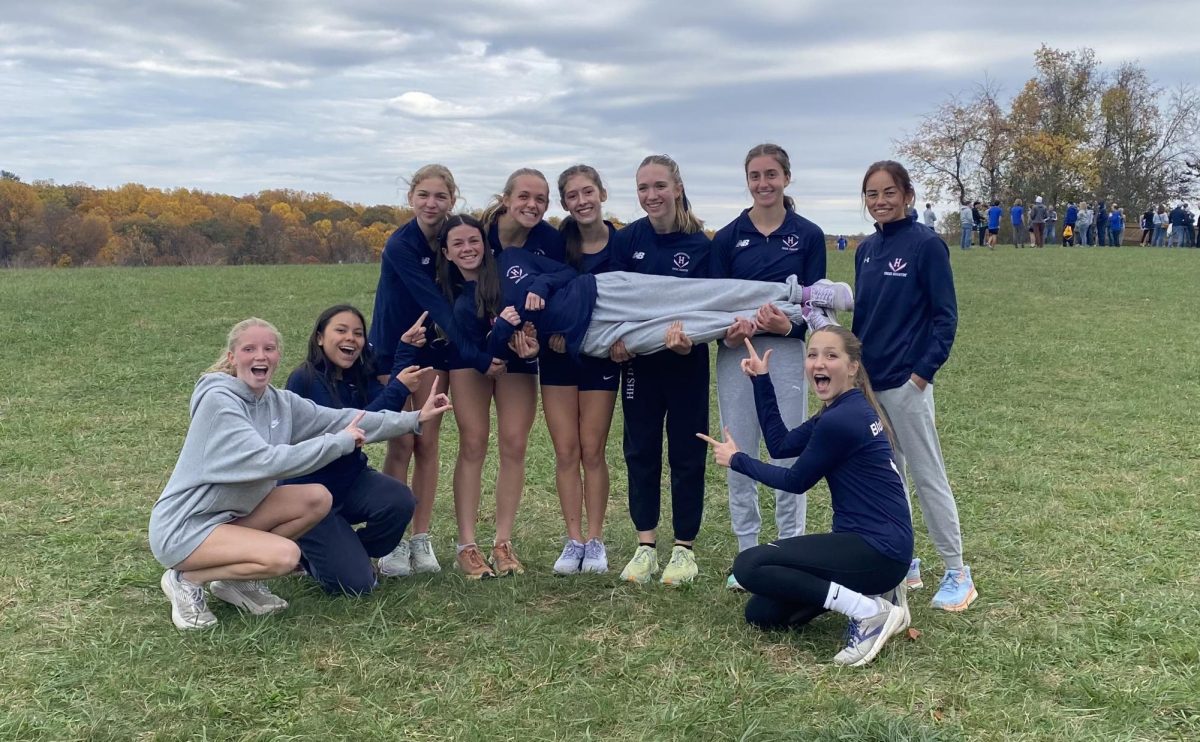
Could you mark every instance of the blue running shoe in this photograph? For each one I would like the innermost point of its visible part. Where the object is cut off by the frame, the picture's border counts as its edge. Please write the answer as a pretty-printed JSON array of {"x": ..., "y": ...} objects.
[
  {"x": 956, "y": 592},
  {"x": 913, "y": 580}
]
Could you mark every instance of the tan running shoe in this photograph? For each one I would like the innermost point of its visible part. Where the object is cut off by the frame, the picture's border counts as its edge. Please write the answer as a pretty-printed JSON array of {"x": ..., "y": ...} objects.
[
  {"x": 504, "y": 560},
  {"x": 470, "y": 562}
]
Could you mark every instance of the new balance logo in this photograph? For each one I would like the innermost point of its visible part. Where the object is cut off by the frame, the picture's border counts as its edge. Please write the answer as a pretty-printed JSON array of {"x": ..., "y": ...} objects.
[
  {"x": 425, "y": 261},
  {"x": 743, "y": 243},
  {"x": 639, "y": 255}
]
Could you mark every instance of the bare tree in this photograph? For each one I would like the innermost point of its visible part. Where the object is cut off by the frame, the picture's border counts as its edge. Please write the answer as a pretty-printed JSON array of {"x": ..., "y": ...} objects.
[{"x": 942, "y": 152}]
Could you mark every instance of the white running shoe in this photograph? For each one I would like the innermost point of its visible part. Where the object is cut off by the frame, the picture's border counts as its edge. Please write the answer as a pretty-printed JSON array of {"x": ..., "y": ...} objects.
[
  {"x": 188, "y": 608},
  {"x": 819, "y": 317},
  {"x": 398, "y": 563},
  {"x": 423, "y": 558},
  {"x": 250, "y": 595},
  {"x": 570, "y": 560},
  {"x": 831, "y": 295},
  {"x": 865, "y": 637},
  {"x": 595, "y": 557}
]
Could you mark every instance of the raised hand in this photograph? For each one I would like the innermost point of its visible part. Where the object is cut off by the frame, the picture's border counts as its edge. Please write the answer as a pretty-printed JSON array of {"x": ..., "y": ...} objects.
[
  {"x": 435, "y": 404},
  {"x": 771, "y": 318},
  {"x": 677, "y": 340},
  {"x": 358, "y": 434},
  {"x": 411, "y": 376},
  {"x": 415, "y": 335},
  {"x": 722, "y": 451},
  {"x": 753, "y": 365}
]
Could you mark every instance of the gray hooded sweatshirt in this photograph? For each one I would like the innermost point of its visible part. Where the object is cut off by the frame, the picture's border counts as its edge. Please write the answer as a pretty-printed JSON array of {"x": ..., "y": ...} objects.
[{"x": 237, "y": 447}]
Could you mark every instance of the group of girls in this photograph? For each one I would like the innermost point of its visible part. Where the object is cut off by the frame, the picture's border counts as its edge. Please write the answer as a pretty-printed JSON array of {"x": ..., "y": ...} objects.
[{"x": 489, "y": 310}]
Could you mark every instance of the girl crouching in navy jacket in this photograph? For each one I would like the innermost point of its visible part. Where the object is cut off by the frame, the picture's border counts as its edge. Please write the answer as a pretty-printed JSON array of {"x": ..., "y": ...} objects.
[
  {"x": 335, "y": 374},
  {"x": 794, "y": 580}
]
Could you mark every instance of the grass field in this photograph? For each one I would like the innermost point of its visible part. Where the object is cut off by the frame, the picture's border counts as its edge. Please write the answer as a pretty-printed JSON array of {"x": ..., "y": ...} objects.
[{"x": 1068, "y": 417}]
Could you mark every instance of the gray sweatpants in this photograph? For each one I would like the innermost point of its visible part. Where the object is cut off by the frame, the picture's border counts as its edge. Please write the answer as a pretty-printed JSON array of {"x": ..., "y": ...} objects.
[
  {"x": 911, "y": 413},
  {"x": 735, "y": 398},
  {"x": 637, "y": 308}
]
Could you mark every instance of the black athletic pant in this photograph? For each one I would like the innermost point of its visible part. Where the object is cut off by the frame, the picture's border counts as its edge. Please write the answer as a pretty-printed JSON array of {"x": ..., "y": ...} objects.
[
  {"x": 789, "y": 579},
  {"x": 666, "y": 385}
]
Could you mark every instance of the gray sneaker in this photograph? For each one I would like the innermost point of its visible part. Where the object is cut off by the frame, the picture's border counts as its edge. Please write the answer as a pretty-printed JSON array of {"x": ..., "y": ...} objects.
[
  {"x": 398, "y": 563},
  {"x": 423, "y": 559},
  {"x": 867, "y": 636},
  {"x": 831, "y": 295},
  {"x": 188, "y": 608},
  {"x": 571, "y": 558},
  {"x": 250, "y": 595},
  {"x": 595, "y": 557}
]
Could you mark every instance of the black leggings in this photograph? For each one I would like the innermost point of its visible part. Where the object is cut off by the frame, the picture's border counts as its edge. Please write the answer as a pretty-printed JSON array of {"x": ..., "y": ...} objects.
[{"x": 790, "y": 578}]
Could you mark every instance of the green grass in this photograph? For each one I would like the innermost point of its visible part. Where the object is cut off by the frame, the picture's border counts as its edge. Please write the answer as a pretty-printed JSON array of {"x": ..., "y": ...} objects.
[{"x": 1068, "y": 418}]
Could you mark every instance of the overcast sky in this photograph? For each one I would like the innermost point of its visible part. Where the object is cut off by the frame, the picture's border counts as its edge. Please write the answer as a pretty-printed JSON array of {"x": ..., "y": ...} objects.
[{"x": 236, "y": 97}]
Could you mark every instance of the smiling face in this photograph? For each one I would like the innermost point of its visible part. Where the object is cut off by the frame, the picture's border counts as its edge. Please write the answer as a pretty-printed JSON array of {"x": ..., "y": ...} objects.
[
  {"x": 464, "y": 248},
  {"x": 583, "y": 198},
  {"x": 528, "y": 201},
  {"x": 886, "y": 200},
  {"x": 254, "y": 357},
  {"x": 766, "y": 180},
  {"x": 657, "y": 192},
  {"x": 343, "y": 339},
  {"x": 431, "y": 200},
  {"x": 828, "y": 366}
]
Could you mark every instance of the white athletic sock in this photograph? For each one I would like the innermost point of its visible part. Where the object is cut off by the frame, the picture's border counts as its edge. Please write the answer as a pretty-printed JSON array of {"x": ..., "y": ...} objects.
[{"x": 850, "y": 603}]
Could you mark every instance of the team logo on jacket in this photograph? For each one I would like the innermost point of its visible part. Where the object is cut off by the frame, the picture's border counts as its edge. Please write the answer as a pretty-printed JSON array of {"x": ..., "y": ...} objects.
[
  {"x": 895, "y": 267},
  {"x": 743, "y": 243},
  {"x": 791, "y": 243},
  {"x": 516, "y": 274},
  {"x": 639, "y": 255},
  {"x": 681, "y": 261}
]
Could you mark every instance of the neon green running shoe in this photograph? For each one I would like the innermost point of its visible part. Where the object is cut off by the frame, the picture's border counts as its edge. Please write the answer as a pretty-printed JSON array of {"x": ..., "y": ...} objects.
[
  {"x": 682, "y": 567},
  {"x": 642, "y": 567}
]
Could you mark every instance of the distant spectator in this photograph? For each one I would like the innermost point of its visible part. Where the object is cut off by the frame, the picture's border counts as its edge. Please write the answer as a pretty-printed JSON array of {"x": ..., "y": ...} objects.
[
  {"x": 1051, "y": 224},
  {"x": 1189, "y": 226},
  {"x": 929, "y": 218},
  {"x": 1017, "y": 215},
  {"x": 1070, "y": 219},
  {"x": 1084, "y": 231},
  {"x": 967, "y": 222},
  {"x": 1101, "y": 223},
  {"x": 1037, "y": 222},
  {"x": 1147, "y": 226},
  {"x": 980, "y": 224},
  {"x": 1116, "y": 224},
  {"x": 841, "y": 243},
  {"x": 1176, "y": 220},
  {"x": 994, "y": 214},
  {"x": 1161, "y": 220}
]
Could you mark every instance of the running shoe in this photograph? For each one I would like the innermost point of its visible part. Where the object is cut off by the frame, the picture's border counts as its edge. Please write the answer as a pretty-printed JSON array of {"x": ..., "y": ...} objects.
[
  {"x": 570, "y": 561},
  {"x": 188, "y": 608},
  {"x": 470, "y": 562},
  {"x": 682, "y": 567},
  {"x": 250, "y": 595},
  {"x": 956, "y": 591},
  {"x": 504, "y": 560},
  {"x": 595, "y": 557},
  {"x": 817, "y": 317},
  {"x": 913, "y": 580},
  {"x": 830, "y": 295},
  {"x": 642, "y": 567},
  {"x": 423, "y": 558},
  {"x": 865, "y": 637},
  {"x": 398, "y": 563}
]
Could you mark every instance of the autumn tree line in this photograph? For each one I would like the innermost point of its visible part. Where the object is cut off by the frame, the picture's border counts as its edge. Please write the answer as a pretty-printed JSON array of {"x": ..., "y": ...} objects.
[
  {"x": 47, "y": 224},
  {"x": 1074, "y": 132}
]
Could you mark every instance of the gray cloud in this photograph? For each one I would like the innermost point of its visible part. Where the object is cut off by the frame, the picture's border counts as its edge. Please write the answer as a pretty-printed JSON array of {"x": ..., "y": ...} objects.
[{"x": 237, "y": 97}]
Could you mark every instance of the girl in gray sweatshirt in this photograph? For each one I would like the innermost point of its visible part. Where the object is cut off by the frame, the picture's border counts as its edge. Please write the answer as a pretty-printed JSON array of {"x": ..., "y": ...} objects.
[{"x": 221, "y": 520}]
